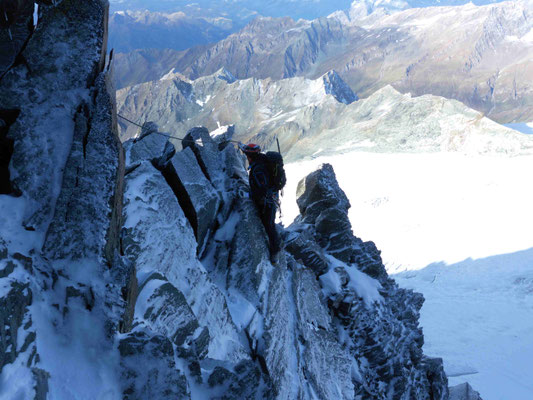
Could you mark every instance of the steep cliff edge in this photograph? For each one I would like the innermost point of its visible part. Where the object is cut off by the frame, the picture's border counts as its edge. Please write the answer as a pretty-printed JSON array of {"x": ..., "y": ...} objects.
[
  {"x": 325, "y": 323},
  {"x": 138, "y": 272}
]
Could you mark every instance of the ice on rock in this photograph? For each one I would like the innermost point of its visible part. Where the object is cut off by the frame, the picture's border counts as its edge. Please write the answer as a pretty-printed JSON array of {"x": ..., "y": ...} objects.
[{"x": 326, "y": 364}]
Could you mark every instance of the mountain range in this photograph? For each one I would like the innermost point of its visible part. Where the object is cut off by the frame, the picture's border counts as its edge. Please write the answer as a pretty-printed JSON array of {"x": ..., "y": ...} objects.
[
  {"x": 131, "y": 30},
  {"x": 483, "y": 60},
  {"x": 315, "y": 117}
]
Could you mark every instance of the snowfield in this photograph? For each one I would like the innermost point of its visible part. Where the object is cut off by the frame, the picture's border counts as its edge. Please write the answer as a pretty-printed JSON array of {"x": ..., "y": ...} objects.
[{"x": 459, "y": 229}]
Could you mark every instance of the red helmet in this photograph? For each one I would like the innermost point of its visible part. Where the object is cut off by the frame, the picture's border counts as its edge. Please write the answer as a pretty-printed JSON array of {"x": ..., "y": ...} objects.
[{"x": 251, "y": 148}]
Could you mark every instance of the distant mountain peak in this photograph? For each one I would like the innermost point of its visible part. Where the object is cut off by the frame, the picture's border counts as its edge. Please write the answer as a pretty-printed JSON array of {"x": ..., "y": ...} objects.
[{"x": 334, "y": 85}]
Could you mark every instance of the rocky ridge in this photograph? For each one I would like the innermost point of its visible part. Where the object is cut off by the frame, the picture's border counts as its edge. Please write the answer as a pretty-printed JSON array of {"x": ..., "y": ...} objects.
[
  {"x": 315, "y": 117},
  {"x": 138, "y": 272}
]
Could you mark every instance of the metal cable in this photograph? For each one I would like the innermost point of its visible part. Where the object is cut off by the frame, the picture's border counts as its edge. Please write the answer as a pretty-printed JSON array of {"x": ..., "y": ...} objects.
[{"x": 159, "y": 133}]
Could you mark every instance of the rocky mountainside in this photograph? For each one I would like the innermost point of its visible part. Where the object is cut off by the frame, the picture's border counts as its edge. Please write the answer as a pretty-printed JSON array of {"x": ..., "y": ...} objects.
[
  {"x": 315, "y": 117},
  {"x": 483, "y": 60},
  {"x": 136, "y": 271}
]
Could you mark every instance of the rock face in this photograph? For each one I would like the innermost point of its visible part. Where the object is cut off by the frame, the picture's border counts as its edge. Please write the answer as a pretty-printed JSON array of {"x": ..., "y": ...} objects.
[
  {"x": 61, "y": 275},
  {"x": 146, "y": 274},
  {"x": 361, "y": 312}
]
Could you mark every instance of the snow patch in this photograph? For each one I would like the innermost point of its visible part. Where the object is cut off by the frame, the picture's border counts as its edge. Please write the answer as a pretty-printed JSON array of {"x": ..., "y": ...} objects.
[{"x": 366, "y": 287}]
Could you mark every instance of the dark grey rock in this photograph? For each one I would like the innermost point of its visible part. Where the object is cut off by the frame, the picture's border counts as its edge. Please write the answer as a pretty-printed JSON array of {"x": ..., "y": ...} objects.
[
  {"x": 201, "y": 343},
  {"x": 219, "y": 376},
  {"x": 158, "y": 238},
  {"x": 249, "y": 253},
  {"x": 327, "y": 366},
  {"x": 319, "y": 191},
  {"x": 149, "y": 369},
  {"x": 244, "y": 381},
  {"x": 13, "y": 311},
  {"x": 463, "y": 392},
  {"x": 151, "y": 146},
  {"x": 212, "y": 163},
  {"x": 15, "y": 31},
  {"x": 436, "y": 377},
  {"x": 156, "y": 234},
  {"x": 200, "y": 194},
  {"x": 335, "y": 86},
  {"x": 25, "y": 261},
  {"x": 3, "y": 249},
  {"x": 281, "y": 351},
  {"x": 334, "y": 227},
  {"x": 41, "y": 383},
  {"x": 207, "y": 154},
  {"x": 6, "y": 268},
  {"x": 129, "y": 292},
  {"x": 304, "y": 248}
]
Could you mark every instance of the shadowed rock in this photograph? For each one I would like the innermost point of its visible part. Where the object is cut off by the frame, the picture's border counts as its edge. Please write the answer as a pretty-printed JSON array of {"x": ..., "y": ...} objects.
[{"x": 149, "y": 368}]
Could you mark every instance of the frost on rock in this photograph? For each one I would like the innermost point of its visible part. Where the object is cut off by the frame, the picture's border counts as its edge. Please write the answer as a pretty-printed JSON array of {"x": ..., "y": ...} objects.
[
  {"x": 371, "y": 314},
  {"x": 199, "y": 195},
  {"x": 62, "y": 59},
  {"x": 146, "y": 274},
  {"x": 155, "y": 148},
  {"x": 60, "y": 274},
  {"x": 15, "y": 31},
  {"x": 158, "y": 238}
]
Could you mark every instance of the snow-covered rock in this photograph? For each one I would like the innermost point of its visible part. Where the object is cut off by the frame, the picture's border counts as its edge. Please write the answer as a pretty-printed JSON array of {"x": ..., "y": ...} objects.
[{"x": 148, "y": 276}]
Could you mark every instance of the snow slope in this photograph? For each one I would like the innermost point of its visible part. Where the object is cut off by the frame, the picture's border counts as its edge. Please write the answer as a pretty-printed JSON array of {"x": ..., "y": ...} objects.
[
  {"x": 478, "y": 316},
  {"x": 442, "y": 209}
]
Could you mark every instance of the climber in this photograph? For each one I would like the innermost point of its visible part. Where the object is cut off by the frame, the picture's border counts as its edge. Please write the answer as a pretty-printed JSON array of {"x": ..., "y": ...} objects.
[{"x": 263, "y": 194}]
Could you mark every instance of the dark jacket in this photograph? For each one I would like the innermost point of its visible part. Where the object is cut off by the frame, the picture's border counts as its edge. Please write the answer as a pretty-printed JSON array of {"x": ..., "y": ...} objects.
[{"x": 261, "y": 191}]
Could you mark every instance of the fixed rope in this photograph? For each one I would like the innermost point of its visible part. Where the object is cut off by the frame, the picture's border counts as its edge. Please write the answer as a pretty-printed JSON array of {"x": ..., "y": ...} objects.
[{"x": 162, "y": 134}]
